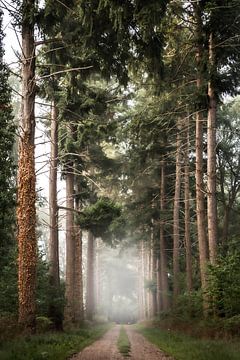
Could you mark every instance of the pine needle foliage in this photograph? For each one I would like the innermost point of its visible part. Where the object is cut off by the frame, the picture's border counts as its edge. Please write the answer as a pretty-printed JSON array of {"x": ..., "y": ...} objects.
[{"x": 7, "y": 164}]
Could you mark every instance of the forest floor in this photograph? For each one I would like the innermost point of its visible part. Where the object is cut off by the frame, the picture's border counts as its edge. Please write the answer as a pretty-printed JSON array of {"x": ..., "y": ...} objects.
[{"x": 106, "y": 348}]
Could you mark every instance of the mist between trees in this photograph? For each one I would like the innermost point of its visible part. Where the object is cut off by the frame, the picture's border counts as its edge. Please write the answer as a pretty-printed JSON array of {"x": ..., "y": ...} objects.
[{"x": 120, "y": 108}]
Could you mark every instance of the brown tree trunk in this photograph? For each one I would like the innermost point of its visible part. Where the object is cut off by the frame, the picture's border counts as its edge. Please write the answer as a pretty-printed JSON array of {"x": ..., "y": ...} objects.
[
  {"x": 69, "y": 311},
  {"x": 153, "y": 274},
  {"x": 26, "y": 211},
  {"x": 54, "y": 311},
  {"x": 176, "y": 229},
  {"x": 140, "y": 284},
  {"x": 144, "y": 276},
  {"x": 200, "y": 203},
  {"x": 78, "y": 290},
  {"x": 159, "y": 288},
  {"x": 187, "y": 237},
  {"x": 90, "y": 298},
  {"x": 148, "y": 276},
  {"x": 163, "y": 256},
  {"x": 98, "y": 274},
  {"x": 211, "y": 161}
]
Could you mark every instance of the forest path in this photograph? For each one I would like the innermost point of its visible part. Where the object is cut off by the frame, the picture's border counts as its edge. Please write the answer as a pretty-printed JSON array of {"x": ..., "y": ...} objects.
[
  {"x": 106, "y": 348},
  {"x": 102, "y": 349},
  {"x": 142, "y": 349}
]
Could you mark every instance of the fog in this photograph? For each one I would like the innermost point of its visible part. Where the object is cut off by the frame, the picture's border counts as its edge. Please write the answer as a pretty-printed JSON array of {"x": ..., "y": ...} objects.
[{"x": 115, "y": 283}]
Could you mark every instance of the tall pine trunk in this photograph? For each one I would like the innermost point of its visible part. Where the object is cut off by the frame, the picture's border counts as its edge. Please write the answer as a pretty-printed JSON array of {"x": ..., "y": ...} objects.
[
  {"x": 98, "y": 275},
  {"x": 176, "y": 228},
  {"x": 69, "y": 311},
  {"x": 187, "y": 220},
  {"x": 140, "y": 283},
  {"x": 163, "y": 255},
  {"x": 153, "y": 273},
  {"x": 78, "y": 289},
  {"x": 144, "y": 276},
  {"x": 90, "y": 296},
  {"x": 200, "y": 201},
  {"x": 148, "y": 276},
  {"x": 211, "y": 159},
  {"x": 26, "y": 211},
  {"x": 159, "y": 287},
  {"x": 54, "y": 311}
]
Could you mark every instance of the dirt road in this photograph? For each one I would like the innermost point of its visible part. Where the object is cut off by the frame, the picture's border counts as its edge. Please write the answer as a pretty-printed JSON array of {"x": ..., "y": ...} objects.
[{"x": 106, "y": 348}]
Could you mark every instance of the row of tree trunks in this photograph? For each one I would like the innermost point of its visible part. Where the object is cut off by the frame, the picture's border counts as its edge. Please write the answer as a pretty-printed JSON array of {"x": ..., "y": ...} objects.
[
  {"x": 26, "y": 210},
  {"x": 207, "y": 240}
]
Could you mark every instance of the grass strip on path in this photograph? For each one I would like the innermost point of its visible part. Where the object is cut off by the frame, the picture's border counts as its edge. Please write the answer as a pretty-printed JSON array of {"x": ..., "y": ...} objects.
[
  {"x": 52, "y": 346},
  {"x": 123, "y": 342},
  {"x": 184, "y": 347}
]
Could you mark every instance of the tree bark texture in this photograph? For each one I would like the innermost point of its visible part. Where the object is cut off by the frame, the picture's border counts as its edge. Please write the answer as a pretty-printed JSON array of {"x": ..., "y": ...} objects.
[
  {"x": 187, "y": 220},
  {"x": 26, "y": 211},
  {"x": 140, "y": 284},
  {"x": 159, "y": 288},
  {"x": 78, "y": 290},
  {"x": 54, "y": 311},
  {"x": 154, "y": 273},
  {"x": 200, "y": 193},
  {"x": 53, "y": 208},
  {"x": 69, "y": 311},
  {"x": 211, "y": 161},
  {"x": 176, "y": 228},
  {"x": 163, "y": 255},
  {"x": 90, "y": 298},
  {"x": 98, "y": 274}
]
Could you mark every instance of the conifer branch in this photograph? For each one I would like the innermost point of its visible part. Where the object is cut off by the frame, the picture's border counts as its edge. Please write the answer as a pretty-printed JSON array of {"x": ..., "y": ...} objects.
[{"x": 66, "y": 71}]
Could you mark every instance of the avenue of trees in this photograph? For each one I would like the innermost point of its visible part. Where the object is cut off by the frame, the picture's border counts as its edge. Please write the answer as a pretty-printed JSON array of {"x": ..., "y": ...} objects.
[{"x": 143, "y": 117}]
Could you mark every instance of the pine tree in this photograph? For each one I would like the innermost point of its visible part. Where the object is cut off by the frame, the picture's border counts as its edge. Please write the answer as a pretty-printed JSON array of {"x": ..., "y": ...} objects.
[{"x": 26, "y": 211}]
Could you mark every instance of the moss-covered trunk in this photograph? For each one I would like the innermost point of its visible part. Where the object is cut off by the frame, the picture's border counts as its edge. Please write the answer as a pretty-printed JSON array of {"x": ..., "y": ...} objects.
[{"x": 26, "y": 212}]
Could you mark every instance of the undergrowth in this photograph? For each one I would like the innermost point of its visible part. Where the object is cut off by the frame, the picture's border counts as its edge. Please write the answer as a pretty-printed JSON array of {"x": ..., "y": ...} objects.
[
  {"x": 184, "y": 347},
  {"x": 51, "y": 346}
]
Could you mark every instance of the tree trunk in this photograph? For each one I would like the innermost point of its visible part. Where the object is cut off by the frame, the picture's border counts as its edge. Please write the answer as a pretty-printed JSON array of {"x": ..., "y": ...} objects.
[
  {"x": 78, "y": 290},
  {"x": 90, "y": 299},
  {"x": 153, "y": 274},
  {"x": 159, "y": 288},
  {"x": 26, "y": 211},
  {"x": 176, "y": 229},
  {"x": 148, "y": 297},
  {"x": 200, "y": 204},
  {"x": 144, "y": 276},
  {"x": 163, "y": 256},
  {"x": 211, "y": 161},
  {"x": 98, "y": 276},
  {"x": 69, "y": 311},
  {"x": 187, "y": 237},
  {"x": 54, "y": 311},
  {"x": 140, "y": 284}
]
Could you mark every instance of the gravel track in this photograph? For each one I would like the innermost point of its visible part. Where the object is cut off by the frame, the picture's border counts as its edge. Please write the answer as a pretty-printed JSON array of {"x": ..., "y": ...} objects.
[{"x": 106, "y": 348}]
